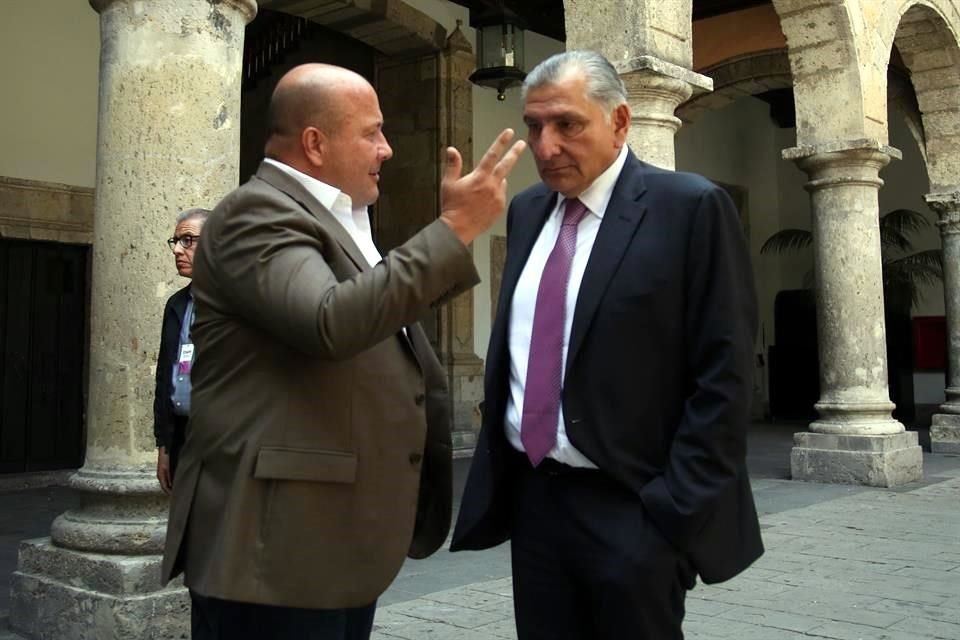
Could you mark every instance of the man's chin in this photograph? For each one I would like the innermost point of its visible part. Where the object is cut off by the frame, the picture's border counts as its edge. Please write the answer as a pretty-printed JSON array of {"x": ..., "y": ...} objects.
[{"x": 555, "y": 183}]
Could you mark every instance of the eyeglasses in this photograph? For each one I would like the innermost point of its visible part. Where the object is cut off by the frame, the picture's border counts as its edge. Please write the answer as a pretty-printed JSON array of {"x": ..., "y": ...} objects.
[{"x": 186, "y": 241}]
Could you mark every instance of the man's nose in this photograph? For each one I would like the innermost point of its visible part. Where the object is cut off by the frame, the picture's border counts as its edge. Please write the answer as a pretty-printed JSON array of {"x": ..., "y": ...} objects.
[
  {"x": 384, "y": 152},
  {"x": 547, "y": 144}
]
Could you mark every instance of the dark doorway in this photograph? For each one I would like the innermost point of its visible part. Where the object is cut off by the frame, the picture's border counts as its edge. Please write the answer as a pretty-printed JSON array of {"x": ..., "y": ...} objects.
[
  {"x": 43, "y": 329},
  {"x": 794, "y": 365}
]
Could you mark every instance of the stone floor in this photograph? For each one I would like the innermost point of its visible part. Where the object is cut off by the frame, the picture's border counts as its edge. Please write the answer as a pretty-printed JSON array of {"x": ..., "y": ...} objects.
[{"x": 842, "y": 562}]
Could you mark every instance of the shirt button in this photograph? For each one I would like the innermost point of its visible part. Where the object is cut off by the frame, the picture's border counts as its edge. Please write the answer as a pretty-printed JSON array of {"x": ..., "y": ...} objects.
[
  {"x": 419, "y": 399},
  {"x": 415, "y": 458}
]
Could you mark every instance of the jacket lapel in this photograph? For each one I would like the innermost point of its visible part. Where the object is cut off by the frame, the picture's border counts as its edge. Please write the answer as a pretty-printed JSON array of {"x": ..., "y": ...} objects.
[
  {"x": 620, "y": 221},
  {"x": 179, "y": 305},
  {"x": 285, "y": 183},
  {"x": 288, "y": 185}
]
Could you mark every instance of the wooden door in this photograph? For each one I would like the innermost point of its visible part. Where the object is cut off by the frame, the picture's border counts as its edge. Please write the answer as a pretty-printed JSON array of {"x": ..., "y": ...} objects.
[{"x": 43, "y": 329}]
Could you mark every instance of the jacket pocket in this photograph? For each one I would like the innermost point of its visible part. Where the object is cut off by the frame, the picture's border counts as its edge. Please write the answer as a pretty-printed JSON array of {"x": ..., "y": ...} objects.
[{"x": 310, "y": 465}]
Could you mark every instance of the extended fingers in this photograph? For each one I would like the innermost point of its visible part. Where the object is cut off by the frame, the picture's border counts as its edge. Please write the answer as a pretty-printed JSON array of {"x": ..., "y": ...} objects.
[
  {"x": 492, "y": 156},
  {"x": 509, "y": 159},
  {"x": 454, "y": 164}
]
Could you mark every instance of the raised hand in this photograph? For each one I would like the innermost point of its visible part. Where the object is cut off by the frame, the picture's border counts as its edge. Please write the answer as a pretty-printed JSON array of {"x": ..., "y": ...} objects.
[{"x": 470, "y": 204}]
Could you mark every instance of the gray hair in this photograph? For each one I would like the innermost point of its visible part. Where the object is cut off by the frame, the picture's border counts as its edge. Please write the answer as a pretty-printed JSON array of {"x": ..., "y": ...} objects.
[
  {"x": 604, "y": 85},
  {"x": 193, "y": 214}
]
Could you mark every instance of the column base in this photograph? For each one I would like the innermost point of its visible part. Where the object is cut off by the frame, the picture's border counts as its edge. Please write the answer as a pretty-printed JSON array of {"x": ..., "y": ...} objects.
[
  {"x": 465, "y": 376},
  {"x": 873, "y": 460},
  {"x": 945, "y": 433},
  {"x": 70, "y": 595}
]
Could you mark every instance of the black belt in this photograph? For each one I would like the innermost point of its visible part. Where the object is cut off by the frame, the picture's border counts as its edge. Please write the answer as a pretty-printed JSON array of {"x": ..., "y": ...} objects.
[{"x": 553, "y": 468}]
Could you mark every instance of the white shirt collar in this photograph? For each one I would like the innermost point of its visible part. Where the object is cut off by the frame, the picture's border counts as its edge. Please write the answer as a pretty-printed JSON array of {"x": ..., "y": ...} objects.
[
  {"x": 356, "y": 222},
  {"x": 597, "y": 195},
  {"x": 330, "y": 197}
]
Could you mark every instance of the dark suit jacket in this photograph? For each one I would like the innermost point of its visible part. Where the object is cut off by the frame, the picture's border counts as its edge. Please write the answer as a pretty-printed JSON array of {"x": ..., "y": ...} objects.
[
  {"x": 164, "y": 420},
  {"x": 318, "y": 454},
  {"x": 659, "y": 366}
]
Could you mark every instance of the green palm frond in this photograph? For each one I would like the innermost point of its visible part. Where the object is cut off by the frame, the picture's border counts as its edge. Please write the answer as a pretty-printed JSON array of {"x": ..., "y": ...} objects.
[
  {"x": 907, "y": 277},
  {"x": 787, "y": 240},
  {"x": 923, "y": 267},
  {"x": 898, "y": 225},
  {"x": 904, "y": 278},
  {"x": 907, "y": 221}
]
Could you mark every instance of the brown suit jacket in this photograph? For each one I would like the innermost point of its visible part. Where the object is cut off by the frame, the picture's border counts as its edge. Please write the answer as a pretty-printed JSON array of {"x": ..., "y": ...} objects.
[{"x": 318, "y": 453}]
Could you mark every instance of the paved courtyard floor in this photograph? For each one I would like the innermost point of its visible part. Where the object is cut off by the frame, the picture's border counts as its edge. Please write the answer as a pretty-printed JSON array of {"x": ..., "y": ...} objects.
[
  {"x": 842, "y": 562},
  {"x": 870, "y": 565}
]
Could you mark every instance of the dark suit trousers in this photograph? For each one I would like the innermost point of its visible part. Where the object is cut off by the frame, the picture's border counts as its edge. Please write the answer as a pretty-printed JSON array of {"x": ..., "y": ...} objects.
[
  {"x": 588, "y": 564},
  {"x": 215, "y": 619}
]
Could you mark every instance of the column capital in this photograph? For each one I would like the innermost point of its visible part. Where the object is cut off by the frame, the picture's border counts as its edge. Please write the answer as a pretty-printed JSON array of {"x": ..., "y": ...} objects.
[
  {"x": 246, "y": 7},
  {"x": 655, "y": 88},
  {"x": 648, "y": 72},
  {"x": 947, "y": 206},
  {"x": 853, "y": 162},
  {"x": 862, "y": 150}
]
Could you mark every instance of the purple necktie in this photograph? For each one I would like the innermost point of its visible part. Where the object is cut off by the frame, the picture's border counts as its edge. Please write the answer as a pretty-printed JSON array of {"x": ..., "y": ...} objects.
[{"x": 541, "y": 395}]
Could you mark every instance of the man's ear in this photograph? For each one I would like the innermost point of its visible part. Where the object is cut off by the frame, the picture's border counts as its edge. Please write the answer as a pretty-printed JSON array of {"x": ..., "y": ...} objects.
[
  {"x": 314, "y": 145},
  {"x": 621, "y": 122}
]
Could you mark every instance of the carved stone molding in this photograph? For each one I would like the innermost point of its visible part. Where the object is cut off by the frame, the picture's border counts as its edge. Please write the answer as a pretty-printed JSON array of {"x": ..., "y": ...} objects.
[{"x": 34, "y": 210}]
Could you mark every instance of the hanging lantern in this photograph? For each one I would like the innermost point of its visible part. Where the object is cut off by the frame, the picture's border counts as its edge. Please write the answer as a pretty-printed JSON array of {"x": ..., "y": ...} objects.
[{"x": 499, "y": 51}]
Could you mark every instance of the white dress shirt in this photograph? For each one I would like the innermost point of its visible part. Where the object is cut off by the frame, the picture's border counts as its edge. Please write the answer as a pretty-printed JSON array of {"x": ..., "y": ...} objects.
[
  {"x": 596, "y": 198},
  {"x": 355, "y": 221}
]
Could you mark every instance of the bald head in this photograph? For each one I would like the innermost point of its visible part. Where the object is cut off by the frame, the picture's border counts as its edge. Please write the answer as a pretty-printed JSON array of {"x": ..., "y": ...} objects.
[
  {"x": 309, "y": 95},
  {"x": 326, "y": 122}
]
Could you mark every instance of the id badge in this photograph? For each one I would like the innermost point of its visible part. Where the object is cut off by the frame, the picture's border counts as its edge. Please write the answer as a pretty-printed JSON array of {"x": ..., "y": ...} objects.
[{"x": 186, "y": 357}]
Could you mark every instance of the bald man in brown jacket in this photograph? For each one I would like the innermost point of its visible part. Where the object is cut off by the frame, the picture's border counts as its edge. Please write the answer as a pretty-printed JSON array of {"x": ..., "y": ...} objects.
[{"x": 318, "y": 454}]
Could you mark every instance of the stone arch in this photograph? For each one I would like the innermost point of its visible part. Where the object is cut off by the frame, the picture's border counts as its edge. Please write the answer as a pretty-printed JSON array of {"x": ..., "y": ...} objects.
[
  {"x": 761, "y": 71},
  {"x": 739, "y": 77},
  {"x": 926, "y": 39},
  {"x": 825, "y": 66}
]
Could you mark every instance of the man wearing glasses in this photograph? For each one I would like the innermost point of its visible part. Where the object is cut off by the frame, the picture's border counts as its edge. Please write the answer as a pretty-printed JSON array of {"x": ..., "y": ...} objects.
[{"x": 171, "y": 402}]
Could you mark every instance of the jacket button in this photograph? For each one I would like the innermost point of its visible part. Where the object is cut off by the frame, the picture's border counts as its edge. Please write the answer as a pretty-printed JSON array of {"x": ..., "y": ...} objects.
[
  {"x": 419, "y": 399},
  {"x": 415, "y": 458}
]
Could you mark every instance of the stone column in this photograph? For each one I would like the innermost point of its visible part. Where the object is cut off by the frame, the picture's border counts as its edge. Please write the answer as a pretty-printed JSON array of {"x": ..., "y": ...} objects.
[
  {"x": 168, "y": 139},
  {"x": 855, "y": 439},
  {"x": 945, "y": 430},
  {"x": 655, "y": 88},
  {"x": 464, "y": 367}
]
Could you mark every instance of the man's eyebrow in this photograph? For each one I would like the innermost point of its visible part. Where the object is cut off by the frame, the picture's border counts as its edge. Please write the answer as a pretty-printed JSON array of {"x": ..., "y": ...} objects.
[{"x": 559, "y": 115}]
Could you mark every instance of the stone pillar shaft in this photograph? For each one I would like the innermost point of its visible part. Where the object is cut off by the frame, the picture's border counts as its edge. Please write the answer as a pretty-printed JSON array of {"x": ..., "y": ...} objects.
[
  {"x": 655, "y": 88},
  {"x": 855, "y": 439},
  {"x": 854, "y": 397},
  {"x": 945, "y": 430},
  {"x": 464, "y": 366},
  {"x": 168, "y": 139}
]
